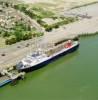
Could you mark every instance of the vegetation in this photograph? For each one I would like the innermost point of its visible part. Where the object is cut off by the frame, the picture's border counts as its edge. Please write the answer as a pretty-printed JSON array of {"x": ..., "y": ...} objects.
[
  {"x": 34, "y": 12},
  {"x": 21, "y": 32},
  {"x": 21, "y": 29},
  {"x": 17, "y": 27},
  {"x": 38, "y": 13},
  {"x": 11, "y": 40},
  {"x": 64, "y": 21}
]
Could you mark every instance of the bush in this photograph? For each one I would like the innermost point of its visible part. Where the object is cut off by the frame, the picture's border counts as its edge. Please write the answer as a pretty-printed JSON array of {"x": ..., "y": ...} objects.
[
  {"x": 21, "y": 7},
  {"x": 11, "y": 40},
  {"x": 41, "y": 22},
  {"x": 56, "y": 26},
  {"x": 48, "y": 28},
  {"x": 27, "y": 35},
  {"x": 5, "y": 34},
  {"x": 38, "y": 34},
  {"x": 19, "y": 35}
]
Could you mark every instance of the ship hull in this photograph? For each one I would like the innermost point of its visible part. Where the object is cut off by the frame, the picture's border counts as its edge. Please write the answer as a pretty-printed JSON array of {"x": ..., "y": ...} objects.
[
  {"x": 38, "y": 66},
  {"x": 5, "y": 82}
]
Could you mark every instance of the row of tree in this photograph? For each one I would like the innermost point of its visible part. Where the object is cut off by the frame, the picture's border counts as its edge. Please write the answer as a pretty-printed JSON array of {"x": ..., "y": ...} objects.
[
  {"x": 20, "y": 31},
  {"x": 56, "y": 25},
  {"x": 18, "y": 37},
  {"x": 21, "y": 36}
]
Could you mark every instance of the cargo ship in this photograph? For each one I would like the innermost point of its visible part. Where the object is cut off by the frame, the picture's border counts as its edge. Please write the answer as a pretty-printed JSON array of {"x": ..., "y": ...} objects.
[{"x": 42, "y": 57}]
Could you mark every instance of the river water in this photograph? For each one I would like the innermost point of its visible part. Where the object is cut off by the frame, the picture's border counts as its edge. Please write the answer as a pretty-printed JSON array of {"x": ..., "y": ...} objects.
[{"x": 72, "y": 77}]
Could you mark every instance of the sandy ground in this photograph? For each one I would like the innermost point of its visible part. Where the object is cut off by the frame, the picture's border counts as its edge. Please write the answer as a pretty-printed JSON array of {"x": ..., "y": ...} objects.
[
  {"x": 52, "y": 1},
  {"x": 77, "y": 28},
  {"x": 36, "y": 1},
  {"x": 61, "y": 4},
  {"x": 90, "y": 10}
]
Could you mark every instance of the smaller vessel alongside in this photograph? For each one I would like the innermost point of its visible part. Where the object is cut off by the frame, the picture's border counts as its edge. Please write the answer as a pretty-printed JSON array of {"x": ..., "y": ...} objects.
[
  {"x": 7, "y": 76},
  {"x": 4, "y": 80},
  {"x": 42, "y": 57}
]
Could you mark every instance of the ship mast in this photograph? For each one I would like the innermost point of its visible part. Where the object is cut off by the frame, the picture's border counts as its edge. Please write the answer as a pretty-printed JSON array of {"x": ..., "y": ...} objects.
[{"x": 37, "y": 43}]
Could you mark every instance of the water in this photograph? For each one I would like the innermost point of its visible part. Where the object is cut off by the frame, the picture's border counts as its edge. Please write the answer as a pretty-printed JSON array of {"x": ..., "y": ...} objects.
[{"x": 72, "y": 77}]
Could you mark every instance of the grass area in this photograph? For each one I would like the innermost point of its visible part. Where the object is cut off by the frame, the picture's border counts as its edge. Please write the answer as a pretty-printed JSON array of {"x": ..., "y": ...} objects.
[
  {"x": 45, "y": 5},
  {"x": 34, "y": 12},
  {"x": 42, "y": 13}
]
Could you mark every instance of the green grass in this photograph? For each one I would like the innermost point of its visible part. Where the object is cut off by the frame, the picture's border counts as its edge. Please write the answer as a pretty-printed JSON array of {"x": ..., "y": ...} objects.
[
  {"x": 45, "y": 5},
  {"x": 35, "y": 12}
]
